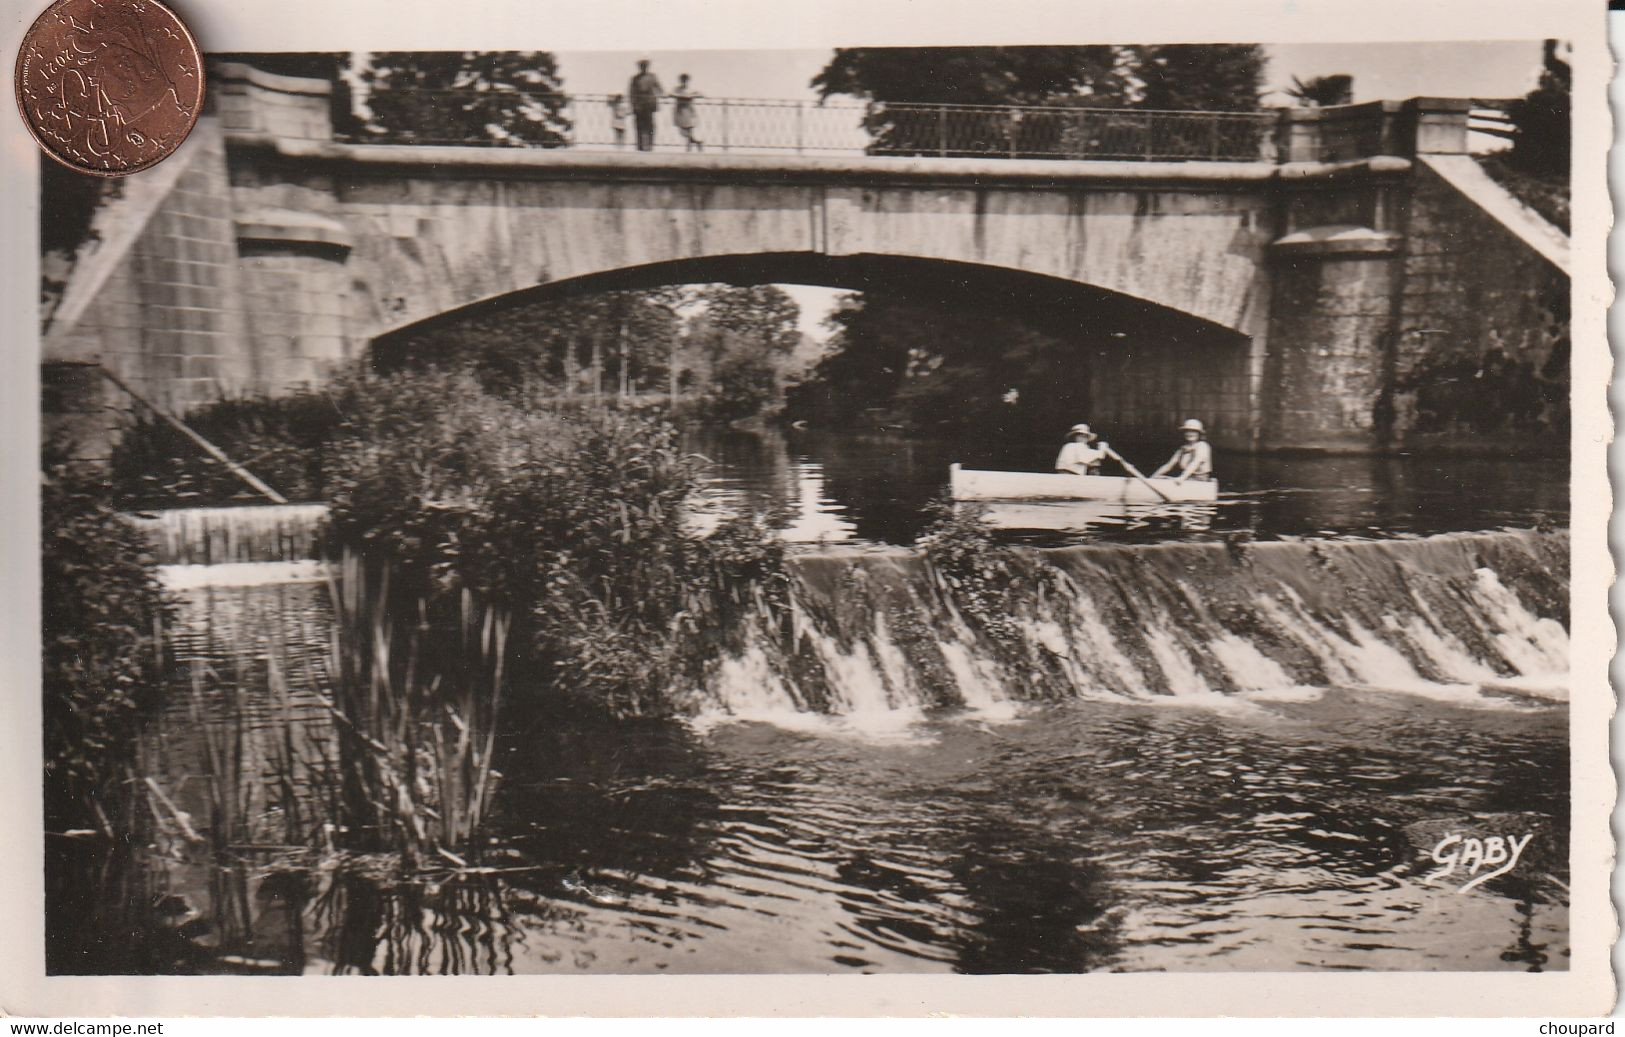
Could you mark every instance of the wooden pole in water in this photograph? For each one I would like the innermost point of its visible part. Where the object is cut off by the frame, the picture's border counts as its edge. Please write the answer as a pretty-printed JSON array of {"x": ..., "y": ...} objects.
[{"x": 186, "y": 430}]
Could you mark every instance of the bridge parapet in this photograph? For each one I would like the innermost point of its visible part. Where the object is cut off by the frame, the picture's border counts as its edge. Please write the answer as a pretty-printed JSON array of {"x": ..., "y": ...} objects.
[
  {"x": 1419, "y": 126},
  {"x": 251, "y": 101}
]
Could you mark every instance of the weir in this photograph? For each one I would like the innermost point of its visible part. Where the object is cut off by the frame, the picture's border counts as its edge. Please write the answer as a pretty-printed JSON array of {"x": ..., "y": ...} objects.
[
  {"x": 1458, "y": 617},
  {"x": 227, "y": 536},
  {"x": 885, "y": 636}
]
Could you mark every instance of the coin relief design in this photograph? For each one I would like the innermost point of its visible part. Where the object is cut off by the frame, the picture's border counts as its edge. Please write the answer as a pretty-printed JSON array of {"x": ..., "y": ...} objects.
[{"x": 109, "y": 86}]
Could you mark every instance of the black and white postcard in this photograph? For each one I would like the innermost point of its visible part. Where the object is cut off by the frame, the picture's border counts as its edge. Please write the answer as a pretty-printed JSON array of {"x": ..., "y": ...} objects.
[{"x": 575, "y": 496}]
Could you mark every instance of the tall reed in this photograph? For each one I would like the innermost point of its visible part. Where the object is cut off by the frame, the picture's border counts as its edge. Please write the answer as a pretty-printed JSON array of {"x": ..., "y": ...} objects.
[{"x": 416, "y": 719}]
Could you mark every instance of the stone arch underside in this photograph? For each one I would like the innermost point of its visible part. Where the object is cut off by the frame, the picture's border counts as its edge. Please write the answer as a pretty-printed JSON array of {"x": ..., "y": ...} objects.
[{"x": 1046, "y": 303}]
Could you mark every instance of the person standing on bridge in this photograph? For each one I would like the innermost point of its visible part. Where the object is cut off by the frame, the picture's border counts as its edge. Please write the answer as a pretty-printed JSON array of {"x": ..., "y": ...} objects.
[
  {"x": 684, "y": 116},
  {"x": 1194, "y": 458},
  {"x": 645, "y": 91},
  {"x": 618, "y": 111}
]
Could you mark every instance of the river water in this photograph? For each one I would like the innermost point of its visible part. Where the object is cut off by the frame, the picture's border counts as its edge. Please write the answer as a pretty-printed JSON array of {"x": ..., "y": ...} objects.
[
  {"x": 1200, "y": 754},
  {"x": 873, "y": 488}
]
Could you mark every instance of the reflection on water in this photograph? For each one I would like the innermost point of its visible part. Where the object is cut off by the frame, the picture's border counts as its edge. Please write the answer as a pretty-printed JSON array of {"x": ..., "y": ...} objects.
[{"x": 873, "y": 487}]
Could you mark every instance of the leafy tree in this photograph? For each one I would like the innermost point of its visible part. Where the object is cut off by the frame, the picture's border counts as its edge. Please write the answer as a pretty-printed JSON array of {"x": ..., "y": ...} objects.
[
  {"x": 901, "y": 79},
  {"x": 975, "y": 75},
  {"x": 511, "y": 98},
  {"x": 738, "y": 346},
  {"x": 905, "y": 82},
  {"x": 1206, "y": 77},
  {"x": 762, "y": 315},
  {"x": 743, "y": 382},
  {"x": 1541, "y": 119},
  {"x": 868, "y": 358},
  {"x": 1322, "y": 91},
  {"x": 735, "y": 341},
  {"x": 926, "y": 364},
  {"x": 609, "y": 341},
  {"x": 1536, "y": 167}
]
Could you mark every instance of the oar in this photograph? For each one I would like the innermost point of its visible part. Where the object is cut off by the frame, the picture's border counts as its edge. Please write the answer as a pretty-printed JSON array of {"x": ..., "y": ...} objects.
[{"x": 1120, "y": 459}]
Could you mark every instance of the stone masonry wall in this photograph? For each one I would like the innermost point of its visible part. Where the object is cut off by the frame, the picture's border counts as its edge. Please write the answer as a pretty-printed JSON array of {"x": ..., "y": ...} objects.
[
  {"x": 297, "y": 303},
  {"x": 1324, "y": 379},
  {"x": 168, "y": 318},
  {"x": 1143, "y": 391},
  {"x": 1482, "y": 348}
]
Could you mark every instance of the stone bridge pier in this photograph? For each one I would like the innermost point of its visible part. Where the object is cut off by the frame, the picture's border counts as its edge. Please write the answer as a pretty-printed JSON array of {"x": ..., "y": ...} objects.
[{"x": 1360, "y": 286}]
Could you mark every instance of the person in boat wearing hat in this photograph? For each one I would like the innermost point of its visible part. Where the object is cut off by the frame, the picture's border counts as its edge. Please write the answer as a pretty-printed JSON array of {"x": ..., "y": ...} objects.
[
  {"x": 1194, "y": 458},
  {"x": 1083, "y": 452}
]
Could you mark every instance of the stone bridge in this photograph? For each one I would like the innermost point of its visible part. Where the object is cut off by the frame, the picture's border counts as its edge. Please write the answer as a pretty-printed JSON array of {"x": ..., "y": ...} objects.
[{"x": 1362, "y": 286}]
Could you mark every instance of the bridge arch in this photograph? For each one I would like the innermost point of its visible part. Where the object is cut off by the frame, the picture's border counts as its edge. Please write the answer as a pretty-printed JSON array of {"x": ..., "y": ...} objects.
[
  {"x": 430, "y": 240},
  {"x": 1044, "y": 301}
]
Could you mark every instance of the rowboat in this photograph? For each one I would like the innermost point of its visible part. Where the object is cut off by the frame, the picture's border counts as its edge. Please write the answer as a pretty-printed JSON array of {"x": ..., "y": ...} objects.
[{"x": 970, "y": 484}]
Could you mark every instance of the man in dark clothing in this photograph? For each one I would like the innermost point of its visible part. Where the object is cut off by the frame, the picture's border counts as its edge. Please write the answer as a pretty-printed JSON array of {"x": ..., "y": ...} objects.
[{"x": 645, "y": 93}]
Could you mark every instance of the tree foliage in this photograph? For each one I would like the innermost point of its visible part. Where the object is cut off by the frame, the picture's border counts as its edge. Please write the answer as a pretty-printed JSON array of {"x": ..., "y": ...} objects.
[
  {"x": 737, "y": 345},
  {"x": 903, "y": 82},
  {"x": 1204, "y": 77},
  {"x": 511, "y": 98},
  {"x": 927, "y": 365},
  {"x": 554, "y": 343},
  {"x": 101, "y": 611},
  {"x": 1541, "y": 119},
  {"x": 761, "y": 314},
  {"x": 975, "y": 75},
  {"x": 1210, "y": 77},
  {"x": 1536, "y": 167}
]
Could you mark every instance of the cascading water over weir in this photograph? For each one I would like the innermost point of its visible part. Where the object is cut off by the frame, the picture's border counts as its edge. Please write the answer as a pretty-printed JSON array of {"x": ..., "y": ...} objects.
[
  {"x": 236, "y": 546},
  {"x": 874, "y": 635}
]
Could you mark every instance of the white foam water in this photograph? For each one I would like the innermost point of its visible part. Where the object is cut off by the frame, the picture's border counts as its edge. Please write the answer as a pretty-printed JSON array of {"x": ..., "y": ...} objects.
[
  {"x": 221, "y": 536},
  {"x": 1171, "y": 625}
]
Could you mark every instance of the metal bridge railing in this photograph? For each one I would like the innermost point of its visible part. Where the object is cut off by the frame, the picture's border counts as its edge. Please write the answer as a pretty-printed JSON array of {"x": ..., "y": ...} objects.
[{"x": 588, "y": 122}]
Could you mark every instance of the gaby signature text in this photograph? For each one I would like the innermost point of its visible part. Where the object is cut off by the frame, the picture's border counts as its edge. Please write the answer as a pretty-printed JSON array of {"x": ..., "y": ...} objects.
[{"x": 1471, "y": 855}]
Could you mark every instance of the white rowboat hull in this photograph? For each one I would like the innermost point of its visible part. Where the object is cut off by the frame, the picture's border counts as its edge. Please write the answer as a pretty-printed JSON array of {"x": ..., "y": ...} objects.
[{"x": 970, "y": 484}]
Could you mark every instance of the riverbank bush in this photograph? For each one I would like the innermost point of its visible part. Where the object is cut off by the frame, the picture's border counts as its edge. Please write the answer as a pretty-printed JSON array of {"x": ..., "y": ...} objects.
[
  {"x": 102, "y": 612},
  {"x": 571, "y": 519},
  {"x": 980, "y": 575},
  {"x": 1547, "y": 194},
  {"x": 285, "y": 441},
  {"x": 574, "y": 524}
]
